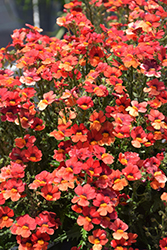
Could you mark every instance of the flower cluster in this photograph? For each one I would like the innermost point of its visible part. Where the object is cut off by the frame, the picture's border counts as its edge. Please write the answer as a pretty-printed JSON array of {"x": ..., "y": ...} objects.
[{"x": 84, "y": 128}]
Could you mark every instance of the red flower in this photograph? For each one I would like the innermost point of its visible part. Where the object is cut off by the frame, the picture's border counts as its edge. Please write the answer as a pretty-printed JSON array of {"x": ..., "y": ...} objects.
[
  {"x": 33, "y": 154},
  {"x": 129, "y": 158},
  {"x": 12, "y": 171},
  {"x": 26, "y": 141},
  {"x": 73, "y": 165},
  {"x": 99, "y": 239},
  {"x": 131, "y": 172},
  {"x": 47, "y": 222},
  {"x": 150, "y": 68},
  {"x": 60, "y": 179},
  {"x": 92, "y": 167},
  {"x": 139, "y": 136},
  {"x": 24, "y": 225},
  {"x": 80, "y": 133},
  {"x": 49, "y": 97},
  {"x": 37, "y": 125},
  {"x": 64, "y": 148},
  {"x": 122, "y": 131},
  {"x": 97, "y": 119},
  {"x": 2, "y": 199},
  {"x": 90, "y": 217},
  {"x": 9, "y": 114},
  {"x": 5, "y": 214},
  {"x": 18, "y": 156},
  {"x": 50, "y": 192},
  {"x": 13, "y": 189},
  {"x": 11, "y": 98},
  {"x": 68, "y": 63},
  {"x": 85, "y": 102},
  {"x": 95, "y": 54},
  {"x": 118, "y": 226},
  {"x": 101, "y": 91},
  {"x": 137, "y": 107},
  {"x": 155, "y": 87},
  {"x": 84, "y": 193},
  {"x": 40, "y": 240},
  {"x": 24, "y": 243},
  {"x": 117, "y": 182},
  {"x": 107, "y": 133},
  {"x": 163, "y": 243},
  {"x": 30, "y": 77},
  {"x": 62, "y": 131},
  {"x": 122, "y": 119},
  {"x": 41, "y": 180},
  {"x": 156, "y": 118},
  {"x": 104, "y": 203}
]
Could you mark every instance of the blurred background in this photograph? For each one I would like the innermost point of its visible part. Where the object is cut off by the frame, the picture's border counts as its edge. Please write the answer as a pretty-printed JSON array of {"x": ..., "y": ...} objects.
[{"x": 42, "y": 13}]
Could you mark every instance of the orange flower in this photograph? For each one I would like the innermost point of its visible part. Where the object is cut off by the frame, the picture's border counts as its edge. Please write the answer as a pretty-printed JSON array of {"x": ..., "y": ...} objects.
[
  {"x": 13, "y": 189},
  {"x": 50, "y": 192},
  {"x": 159, "y": 180},
  {"x": 24, "y": 225},
  {"x": 79, "y": 133},
  {"x": 85, "y": 102},
  {"x": 139, "y": 136},
  {"x": 96, "y": 119},
  {"x": 164, "y": 196},
  {"x": 95, "y": 54},
  {"x": 119, "y": 228},
  {"x": 107, "y": 133},
  {"x": 156, "y": 118},
  {"x": 137, "y": 107},
  {"x": 117, "y": 182},
  {"x": 49, "y": 97},
  {"x": 5, "y": 214},
  {"x": 99, "y": 239},
  {"x": 84, "y": 193}
]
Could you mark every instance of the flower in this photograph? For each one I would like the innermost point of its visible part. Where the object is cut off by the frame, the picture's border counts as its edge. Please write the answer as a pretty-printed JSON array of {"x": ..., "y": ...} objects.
[
  {"x": 90, "y": 217},
  {"x": 99, "y": 239},
  {"x": 139, "y": 136},
  {"x": 47, "y": 222},
  {"x": 132, "y": 172},
  {"x": 5, "y": 217},
  {"x": 33, "y": 154},
  {"x": 24, "y": 225},
  {"x": 119, "y": 228},
  {"x": 150, "y": 68},
  {"x": 13, "y": 189},
  {"x": 50, "y": 192},
  {"x": 49, "y": 97},
  {"x": 85, "y": 194},
  {"x": 85, "y": 102}
]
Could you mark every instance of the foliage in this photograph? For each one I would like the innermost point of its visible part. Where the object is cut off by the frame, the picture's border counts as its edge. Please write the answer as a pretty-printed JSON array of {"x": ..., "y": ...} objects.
[{"x": 84, "y": 129}]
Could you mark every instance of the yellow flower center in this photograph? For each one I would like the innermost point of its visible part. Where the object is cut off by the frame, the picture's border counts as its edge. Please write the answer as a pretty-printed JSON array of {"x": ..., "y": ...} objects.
[
  {"x": 105, "y": 135},
  {"x": 14, "y": 190},
  {"x": 49, "y": 197},
  {"x": 28, "y": 244},
  {"x": 5, "y": 217},
  {"x": 96, "y": 241},
  {"x": 41, "y": 242}
]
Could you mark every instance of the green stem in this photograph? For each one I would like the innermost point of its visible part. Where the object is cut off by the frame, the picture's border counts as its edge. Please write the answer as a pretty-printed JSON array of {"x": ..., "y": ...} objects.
[
  {"x": 131, "y": 83},
  {"x": 83, "y": 118},
  {"x": 21, "y": 131}
]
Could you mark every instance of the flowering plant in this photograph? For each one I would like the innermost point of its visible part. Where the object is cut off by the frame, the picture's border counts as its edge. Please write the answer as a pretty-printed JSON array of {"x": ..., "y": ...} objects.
[{"x": 84, "y": 129}]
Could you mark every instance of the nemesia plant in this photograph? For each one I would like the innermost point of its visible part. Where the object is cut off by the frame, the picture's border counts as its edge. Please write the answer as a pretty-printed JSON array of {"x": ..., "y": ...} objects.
[{"x": 84, "y": 130}]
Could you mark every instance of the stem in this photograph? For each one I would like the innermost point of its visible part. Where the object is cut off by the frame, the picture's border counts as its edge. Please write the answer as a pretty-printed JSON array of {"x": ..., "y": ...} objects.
[
  {"x": 21, "y": 131},
  {"x": 84, "y": 114},
  {"x": 131, "y": 83},
  {"x": 74, "y": 78}
]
